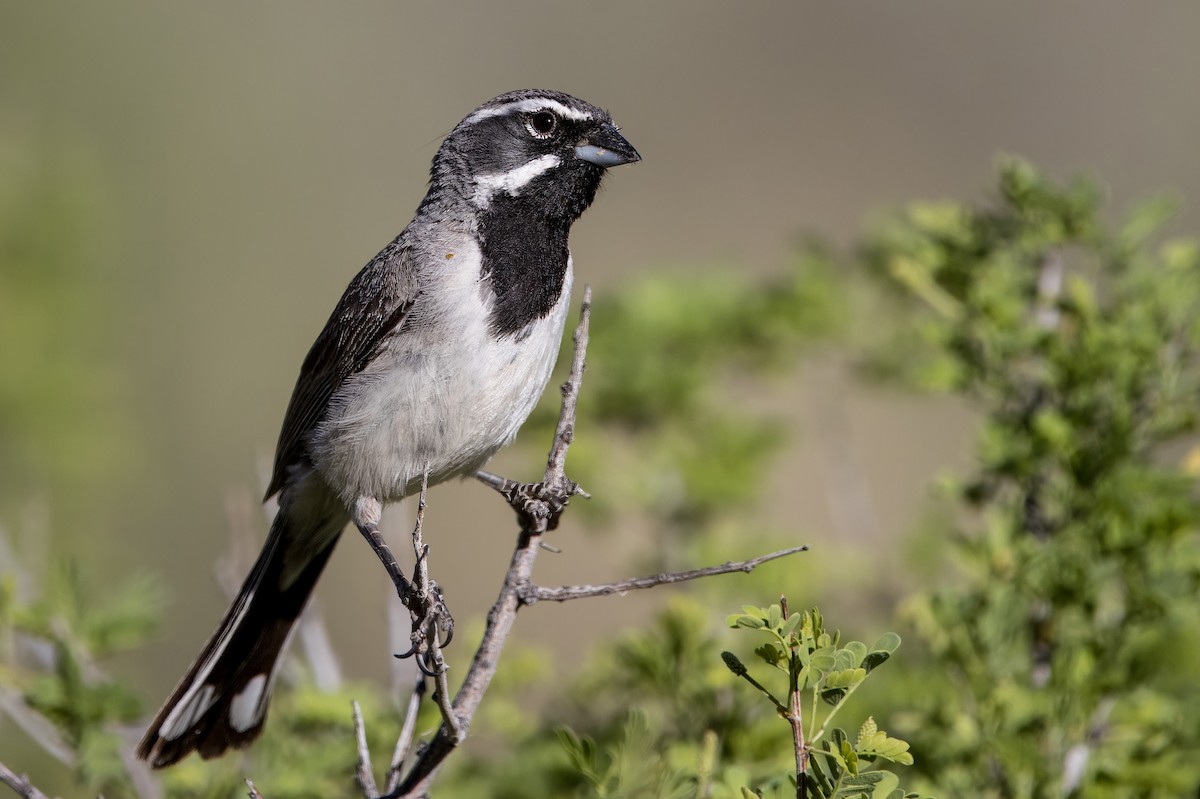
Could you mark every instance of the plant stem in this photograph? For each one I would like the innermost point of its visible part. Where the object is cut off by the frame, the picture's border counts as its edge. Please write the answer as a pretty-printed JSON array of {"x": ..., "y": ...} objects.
[
  {"x": 834, "y": 711},
  {"x": 795, "y": 718}
]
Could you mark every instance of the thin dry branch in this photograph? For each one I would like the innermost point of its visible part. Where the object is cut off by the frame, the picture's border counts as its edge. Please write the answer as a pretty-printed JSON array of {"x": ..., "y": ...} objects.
[
  {"x": 36, "y": 726},
  {"x": 20, "y": 784},
  {"x": 531, "y": 594},
  {"x": 363, "y": 772},
  {"x": 404, "y": 741}
]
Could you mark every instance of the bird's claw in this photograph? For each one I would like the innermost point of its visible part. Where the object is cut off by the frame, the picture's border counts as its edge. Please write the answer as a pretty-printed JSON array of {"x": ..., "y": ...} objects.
[
  {"x": 538, "y": 503},
  {"x": 432, "y": 628}
]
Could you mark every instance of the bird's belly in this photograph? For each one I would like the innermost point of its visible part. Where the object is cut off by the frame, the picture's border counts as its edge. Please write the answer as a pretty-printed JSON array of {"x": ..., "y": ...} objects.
[{"x": 444, "y": 400}]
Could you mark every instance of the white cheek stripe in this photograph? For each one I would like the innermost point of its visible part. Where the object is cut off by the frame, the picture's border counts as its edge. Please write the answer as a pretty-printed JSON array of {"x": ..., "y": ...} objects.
[
  {"x": 512, "y": 181},
  {"x": 529, "y": 106}
]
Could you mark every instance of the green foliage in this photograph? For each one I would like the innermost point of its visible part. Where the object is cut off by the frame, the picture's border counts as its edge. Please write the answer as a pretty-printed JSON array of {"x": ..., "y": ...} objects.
[
  {"x": 1077, "y": 612},
  {"x": 54, "y": 645},
  {"x": 818, "y": 669},
  {"x": 630, "y": 768}
]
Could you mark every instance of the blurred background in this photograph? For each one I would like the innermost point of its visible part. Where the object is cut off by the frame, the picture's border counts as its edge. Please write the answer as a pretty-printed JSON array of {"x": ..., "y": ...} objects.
[{"x": 185, "y": 190}]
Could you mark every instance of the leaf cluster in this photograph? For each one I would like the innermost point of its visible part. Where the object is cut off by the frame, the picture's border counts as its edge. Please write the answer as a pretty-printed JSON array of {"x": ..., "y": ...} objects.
[
  {"x": 1076, "y": 534},
  {"x": 818, "y": 669},
  {"x": 52, "y": 647}
]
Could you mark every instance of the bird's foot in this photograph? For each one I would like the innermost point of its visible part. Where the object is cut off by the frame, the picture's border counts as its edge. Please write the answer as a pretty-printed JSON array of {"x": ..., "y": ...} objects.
[
  {"x": 432, "y": 627},
  {"x": 538, "y": 506}
]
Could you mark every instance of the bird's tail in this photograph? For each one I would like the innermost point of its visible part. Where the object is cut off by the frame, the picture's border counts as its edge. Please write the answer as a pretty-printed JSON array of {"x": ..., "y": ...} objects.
[{"x": 222, "y": 702}]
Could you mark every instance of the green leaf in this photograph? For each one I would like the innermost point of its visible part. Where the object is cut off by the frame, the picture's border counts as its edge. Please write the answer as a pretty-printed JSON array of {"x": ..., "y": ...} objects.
[
  {"x": 858, "y": 651},
  {"x": 833, "y": 753},
  {"x": 843, "y": 659},
  {"x": 744, "y": 620},
  {"x": 888, "y": 642},
  {"x": 822, "y": 659},
  {"x": 887, "y": 784},
  {"x": 849, "y": 756},
  {"x": 856, "y": 786},
  {"x": 771, "y": 654},
  {"x": 873, "y": 742},
  {"x": 845, "y": 678},
  {"x": 881, "y": 651},
  {"x": 803, "y": 677},
  {"x": 1147, "y": 218},
  {"x": 824, "y": 772},
  {"x": 833, "y": 696}
]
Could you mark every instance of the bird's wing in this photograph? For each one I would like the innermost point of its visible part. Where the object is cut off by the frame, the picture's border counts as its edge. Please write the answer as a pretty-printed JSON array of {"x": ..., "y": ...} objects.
[{"x": 374, "y": 304}]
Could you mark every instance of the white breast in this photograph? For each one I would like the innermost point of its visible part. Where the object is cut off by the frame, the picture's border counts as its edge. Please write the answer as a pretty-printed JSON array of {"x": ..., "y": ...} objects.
[{"x": 446, "y": 392}]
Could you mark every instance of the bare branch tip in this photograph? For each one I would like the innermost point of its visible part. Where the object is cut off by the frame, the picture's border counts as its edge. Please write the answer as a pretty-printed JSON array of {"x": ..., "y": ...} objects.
[
  {"x": 364, "y": 773},
  {"x": 20, "y": 784}
]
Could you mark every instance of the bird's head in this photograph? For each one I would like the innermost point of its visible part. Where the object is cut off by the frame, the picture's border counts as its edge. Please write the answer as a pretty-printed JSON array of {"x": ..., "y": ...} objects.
[{"x": 532, "y": 144}]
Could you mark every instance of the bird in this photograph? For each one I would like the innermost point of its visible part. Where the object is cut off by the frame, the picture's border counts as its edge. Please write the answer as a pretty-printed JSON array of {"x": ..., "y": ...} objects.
[{"x": 430, "y": 363}]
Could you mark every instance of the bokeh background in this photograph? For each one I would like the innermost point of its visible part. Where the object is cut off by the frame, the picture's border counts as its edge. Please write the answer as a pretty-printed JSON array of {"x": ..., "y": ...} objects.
[{"x": 207, "y": 177}]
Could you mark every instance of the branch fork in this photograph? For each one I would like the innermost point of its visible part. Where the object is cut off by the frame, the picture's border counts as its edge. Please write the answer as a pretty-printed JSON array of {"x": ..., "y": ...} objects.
[{"x": 539, "y": 507}]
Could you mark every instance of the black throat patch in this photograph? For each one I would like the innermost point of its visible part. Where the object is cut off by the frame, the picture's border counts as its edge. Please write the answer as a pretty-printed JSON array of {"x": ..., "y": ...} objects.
[{"x": 525, "y": 253}]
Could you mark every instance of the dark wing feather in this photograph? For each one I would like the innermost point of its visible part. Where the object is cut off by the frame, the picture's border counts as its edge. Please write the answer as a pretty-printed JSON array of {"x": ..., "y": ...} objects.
[{"x": 374, "y": 304}]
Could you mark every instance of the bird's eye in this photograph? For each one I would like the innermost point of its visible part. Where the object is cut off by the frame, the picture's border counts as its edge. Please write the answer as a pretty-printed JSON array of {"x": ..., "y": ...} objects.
[{"x": 541, "y": 124}]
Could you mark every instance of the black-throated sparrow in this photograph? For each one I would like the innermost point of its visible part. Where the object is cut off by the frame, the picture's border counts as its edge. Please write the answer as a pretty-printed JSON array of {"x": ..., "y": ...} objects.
[{"x": 432, "y": 360}]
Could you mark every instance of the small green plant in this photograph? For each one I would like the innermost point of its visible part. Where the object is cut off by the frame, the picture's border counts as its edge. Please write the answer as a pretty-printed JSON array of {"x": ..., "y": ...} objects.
[
  {"x": 820, "y": 670},
  {"x": 52, "y": 650}
]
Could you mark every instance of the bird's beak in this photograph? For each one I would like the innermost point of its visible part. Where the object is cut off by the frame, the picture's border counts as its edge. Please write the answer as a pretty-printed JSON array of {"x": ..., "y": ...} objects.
[{"x": 606, "y": 147}]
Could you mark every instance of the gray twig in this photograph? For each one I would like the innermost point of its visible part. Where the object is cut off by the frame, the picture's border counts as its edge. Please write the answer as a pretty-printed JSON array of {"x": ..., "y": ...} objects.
[
  {"x": 145, "y": 784},
  {"x": 36, "y": 726},
  {"x": 404, "y": 741},
  {"x": 363, "y": 773},
  {"x": 252, "y": 792},
  {"x": 530, "y": 593},
  {"x": 20, "y": 784}
]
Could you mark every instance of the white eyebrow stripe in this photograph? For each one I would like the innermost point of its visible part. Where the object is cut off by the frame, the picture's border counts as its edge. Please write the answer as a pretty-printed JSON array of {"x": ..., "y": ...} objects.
[
  {"x": 512, "y": 181},
  {"x": 530, "y": 105}
]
